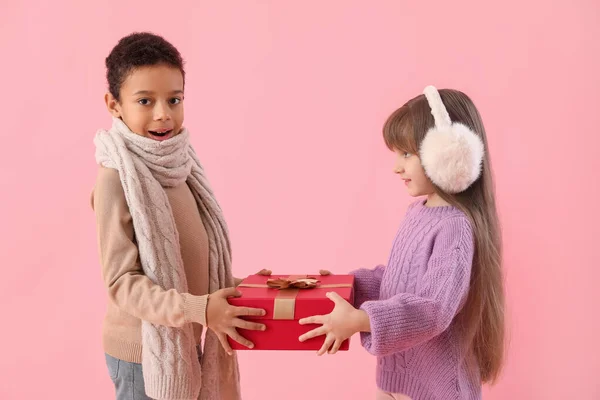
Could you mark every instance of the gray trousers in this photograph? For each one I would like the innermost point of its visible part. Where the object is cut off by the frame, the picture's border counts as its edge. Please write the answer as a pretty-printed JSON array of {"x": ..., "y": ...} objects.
[{"x": 128, "y": 378}]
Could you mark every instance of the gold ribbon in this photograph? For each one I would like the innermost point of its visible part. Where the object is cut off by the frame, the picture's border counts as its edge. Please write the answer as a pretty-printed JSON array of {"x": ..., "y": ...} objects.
[{"x": 288, "y": 288}]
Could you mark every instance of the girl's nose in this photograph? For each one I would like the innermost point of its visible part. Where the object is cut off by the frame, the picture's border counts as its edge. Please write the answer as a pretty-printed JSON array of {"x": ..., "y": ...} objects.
[{"x": 399, "y": 167}]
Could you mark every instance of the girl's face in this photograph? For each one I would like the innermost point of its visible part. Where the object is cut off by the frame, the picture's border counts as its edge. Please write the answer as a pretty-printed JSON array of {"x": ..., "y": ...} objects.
[
  {"x": 409, "y": 167},
  {"x": 151, "y": 102}
]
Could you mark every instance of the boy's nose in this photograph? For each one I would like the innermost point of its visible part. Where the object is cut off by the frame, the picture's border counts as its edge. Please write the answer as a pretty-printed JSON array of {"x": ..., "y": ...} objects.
[{"x": 161, "y": 112}]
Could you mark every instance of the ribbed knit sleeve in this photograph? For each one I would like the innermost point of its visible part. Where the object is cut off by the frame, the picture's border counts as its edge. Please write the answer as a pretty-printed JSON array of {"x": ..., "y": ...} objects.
[
  {"x": 405, "y": 320},
  {"x": 367, "y": 283},
  {"x": 127, "y": 285}
]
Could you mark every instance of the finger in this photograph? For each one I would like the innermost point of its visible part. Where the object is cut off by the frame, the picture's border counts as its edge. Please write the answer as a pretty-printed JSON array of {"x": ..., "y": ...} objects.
[
  {"x": 336, "y": 346},
  {"x": 314, "y": 333},
  {"x": 264, "y": 272},
  {"x": 315, "y": 319},
  {"x": 336, "y": 298},
  {"x": 229, "y": 292},
  {"x": 324, "y": 272},
  {"x": 328, "y": 342},
  {"x": 223, "y": 339},
  {"x": 253, "y": 326},
  {"x": 248, "y": 312},
  {"x": 233, "y": 333}
]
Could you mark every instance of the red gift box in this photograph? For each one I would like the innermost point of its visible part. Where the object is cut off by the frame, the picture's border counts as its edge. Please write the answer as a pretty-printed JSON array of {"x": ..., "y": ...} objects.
[{"x": 284, "y": 307}]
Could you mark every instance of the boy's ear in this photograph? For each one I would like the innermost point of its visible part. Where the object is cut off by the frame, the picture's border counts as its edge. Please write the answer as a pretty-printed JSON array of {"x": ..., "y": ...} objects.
[{"x": 113, "y": 106}]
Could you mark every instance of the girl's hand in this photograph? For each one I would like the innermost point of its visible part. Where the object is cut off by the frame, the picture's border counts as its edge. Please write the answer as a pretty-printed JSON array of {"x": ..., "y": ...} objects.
[
  {"x": 343, "y": 322},
  {"x": 264, "y": 272},
  {"x": 222, "y": 318}
]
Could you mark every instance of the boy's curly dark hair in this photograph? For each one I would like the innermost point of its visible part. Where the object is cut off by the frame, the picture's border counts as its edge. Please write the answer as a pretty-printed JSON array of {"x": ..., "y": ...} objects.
[{"x": 138, "y": 50}]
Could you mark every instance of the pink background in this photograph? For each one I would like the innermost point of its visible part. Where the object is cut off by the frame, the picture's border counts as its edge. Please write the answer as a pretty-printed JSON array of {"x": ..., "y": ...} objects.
[{"x": 285, "y": 101}]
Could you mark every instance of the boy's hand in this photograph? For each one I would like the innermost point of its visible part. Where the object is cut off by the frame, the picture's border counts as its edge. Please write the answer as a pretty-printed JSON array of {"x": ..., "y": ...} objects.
[
  {"x": 343, "y": 322},
  {"x": 223, "y": 318}
]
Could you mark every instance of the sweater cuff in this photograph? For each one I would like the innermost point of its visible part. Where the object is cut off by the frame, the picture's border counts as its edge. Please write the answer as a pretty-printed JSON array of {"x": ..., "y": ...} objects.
[
  {"x": 367, "y": 283},
  {"x": 194, "y": 308},
  {"x": 181, "y": 387}
]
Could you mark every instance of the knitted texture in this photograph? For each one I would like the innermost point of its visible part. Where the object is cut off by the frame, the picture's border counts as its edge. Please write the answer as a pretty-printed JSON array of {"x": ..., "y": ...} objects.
[
  {"x": 169, "y": 358},
  {"x": 412, "y": 304}
]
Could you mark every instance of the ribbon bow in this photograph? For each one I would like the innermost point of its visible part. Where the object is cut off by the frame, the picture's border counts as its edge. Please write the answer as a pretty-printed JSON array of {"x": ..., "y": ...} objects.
[{"x": 301, "y": 283}]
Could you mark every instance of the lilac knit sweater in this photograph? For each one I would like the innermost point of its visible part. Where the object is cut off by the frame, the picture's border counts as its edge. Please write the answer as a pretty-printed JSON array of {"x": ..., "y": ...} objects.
[{"x": 412, "y": 303}]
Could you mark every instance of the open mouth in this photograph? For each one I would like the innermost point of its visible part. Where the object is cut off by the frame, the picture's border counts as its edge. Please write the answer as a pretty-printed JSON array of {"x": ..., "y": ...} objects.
[{"x": 162, "y": 134}]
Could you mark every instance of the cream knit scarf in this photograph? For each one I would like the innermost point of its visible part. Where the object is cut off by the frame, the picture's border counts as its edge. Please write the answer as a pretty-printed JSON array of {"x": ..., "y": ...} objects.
[{"x": 169, "y": 357}]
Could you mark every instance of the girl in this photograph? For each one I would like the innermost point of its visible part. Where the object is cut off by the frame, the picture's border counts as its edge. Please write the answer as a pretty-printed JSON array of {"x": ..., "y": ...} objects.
[
  {"x": 163, "y": 242},
  {"x": 434, "y": 316}
]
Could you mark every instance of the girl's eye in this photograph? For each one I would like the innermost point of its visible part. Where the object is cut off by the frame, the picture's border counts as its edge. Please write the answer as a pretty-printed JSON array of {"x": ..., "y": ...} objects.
[
  {"x": 144, "y": 102},
  {"x": 175, "y": 100},
  {"x": 406, "y": 155}
]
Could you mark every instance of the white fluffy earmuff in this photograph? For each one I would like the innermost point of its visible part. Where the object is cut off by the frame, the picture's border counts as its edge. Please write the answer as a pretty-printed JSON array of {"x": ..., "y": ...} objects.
[{"x": 451, "y": 154}]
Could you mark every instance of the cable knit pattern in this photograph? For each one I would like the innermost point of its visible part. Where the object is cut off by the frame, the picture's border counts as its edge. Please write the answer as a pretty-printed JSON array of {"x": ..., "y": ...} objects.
[
  {"x": 412, "y": 303},
  {"x": 170, "y": 363}
]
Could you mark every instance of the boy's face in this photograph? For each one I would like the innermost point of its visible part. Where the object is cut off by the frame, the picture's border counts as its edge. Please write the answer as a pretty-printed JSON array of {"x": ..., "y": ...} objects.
[{"x": 151, "y": 103}]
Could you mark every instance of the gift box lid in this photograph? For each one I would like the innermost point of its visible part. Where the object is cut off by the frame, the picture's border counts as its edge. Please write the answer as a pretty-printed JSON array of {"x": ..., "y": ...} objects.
[{"x": 294, "y": 304}]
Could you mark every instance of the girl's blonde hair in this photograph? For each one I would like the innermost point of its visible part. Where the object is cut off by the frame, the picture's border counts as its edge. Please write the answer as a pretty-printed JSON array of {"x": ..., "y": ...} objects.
[{"x": 482, "y": 317}]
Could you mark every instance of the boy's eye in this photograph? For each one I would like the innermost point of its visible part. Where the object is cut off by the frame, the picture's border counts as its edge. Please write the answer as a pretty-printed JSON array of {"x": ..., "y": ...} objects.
[
  {"x": 175, "y": 100},
  {"x": 406, "y": 155},
  {"x": 144, "y": 102}
]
